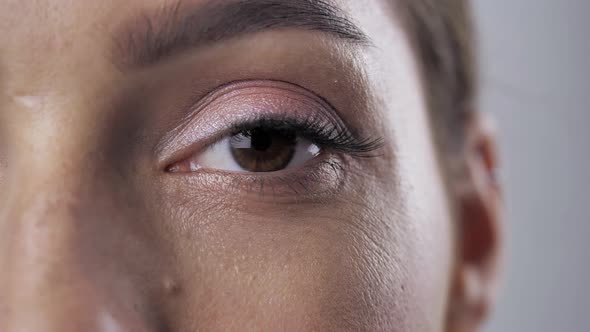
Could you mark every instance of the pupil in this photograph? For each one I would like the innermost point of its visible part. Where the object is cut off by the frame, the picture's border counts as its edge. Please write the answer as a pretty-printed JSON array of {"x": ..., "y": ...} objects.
[
  {"x": 264, "y": 149},
  {"x": 261, "y": 140}
]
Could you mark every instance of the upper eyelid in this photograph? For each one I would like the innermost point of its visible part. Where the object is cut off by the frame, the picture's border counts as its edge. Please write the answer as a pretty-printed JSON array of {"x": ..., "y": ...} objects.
[
  {"x": 228, "y": 91},
  {"x": 251, "y": 124}
]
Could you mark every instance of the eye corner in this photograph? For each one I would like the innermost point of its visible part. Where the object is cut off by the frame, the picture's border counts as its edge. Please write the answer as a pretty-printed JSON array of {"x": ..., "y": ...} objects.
[
  {"x": 182, "y": 167},
  {"x": 172, "y": 169}
]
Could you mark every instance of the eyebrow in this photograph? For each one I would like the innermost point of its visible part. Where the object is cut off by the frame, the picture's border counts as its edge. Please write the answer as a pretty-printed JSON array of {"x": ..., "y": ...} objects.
[{"x": 150, "y": 38}]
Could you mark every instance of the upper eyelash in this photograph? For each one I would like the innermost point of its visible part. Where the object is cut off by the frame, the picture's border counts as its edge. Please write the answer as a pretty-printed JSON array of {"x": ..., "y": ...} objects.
[{"x": 318, "y": 131}]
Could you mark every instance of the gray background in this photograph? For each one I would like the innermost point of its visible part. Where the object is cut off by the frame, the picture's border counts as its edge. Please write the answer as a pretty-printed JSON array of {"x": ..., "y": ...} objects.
[{"x": 536, "y": 82}]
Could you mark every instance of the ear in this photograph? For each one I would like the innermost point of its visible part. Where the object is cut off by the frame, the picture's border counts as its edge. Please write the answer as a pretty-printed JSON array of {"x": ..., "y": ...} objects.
[{"x": 479, "y": 200}]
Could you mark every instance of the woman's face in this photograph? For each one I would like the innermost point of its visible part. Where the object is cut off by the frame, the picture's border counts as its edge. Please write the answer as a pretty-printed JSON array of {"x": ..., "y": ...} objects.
[{"x": 217, "y": 166}]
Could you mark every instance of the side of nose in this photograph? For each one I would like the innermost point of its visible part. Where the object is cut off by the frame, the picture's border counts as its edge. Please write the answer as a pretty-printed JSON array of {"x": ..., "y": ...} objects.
[{"x": 63, "y": 264}]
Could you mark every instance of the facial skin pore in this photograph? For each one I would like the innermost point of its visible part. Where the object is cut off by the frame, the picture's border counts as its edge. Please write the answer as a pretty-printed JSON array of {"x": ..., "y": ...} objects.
[{"x": 99, "y": 233}]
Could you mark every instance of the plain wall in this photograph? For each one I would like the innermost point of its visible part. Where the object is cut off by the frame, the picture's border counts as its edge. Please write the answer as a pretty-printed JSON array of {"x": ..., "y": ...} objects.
[{"x": 535, "y": 58}]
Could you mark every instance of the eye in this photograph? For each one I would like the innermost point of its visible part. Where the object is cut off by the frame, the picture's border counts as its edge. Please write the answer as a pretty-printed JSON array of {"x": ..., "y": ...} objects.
[
  {"x": 264, "y": 128},
  {"x": 258, "y": 150}
]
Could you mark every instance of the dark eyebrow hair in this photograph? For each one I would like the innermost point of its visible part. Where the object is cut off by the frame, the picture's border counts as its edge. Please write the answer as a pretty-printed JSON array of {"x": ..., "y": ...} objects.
[{"x": 150, "y": 37}]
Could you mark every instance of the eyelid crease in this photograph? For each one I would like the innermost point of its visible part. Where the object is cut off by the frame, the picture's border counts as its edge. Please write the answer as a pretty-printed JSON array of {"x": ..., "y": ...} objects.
[{"x": 226, "y": 90}]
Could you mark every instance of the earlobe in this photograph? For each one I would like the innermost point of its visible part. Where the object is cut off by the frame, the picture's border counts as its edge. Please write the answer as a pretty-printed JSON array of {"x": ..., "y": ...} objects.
[{"x": 478, "y": 195}]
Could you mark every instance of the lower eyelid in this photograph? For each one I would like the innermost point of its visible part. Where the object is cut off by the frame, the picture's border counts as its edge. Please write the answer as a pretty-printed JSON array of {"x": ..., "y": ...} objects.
[{"x": 323, "y": 176}]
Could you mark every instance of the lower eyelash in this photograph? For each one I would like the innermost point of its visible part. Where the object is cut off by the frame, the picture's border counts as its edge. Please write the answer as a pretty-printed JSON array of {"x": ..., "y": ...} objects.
[{"x": 301, "y": 185}]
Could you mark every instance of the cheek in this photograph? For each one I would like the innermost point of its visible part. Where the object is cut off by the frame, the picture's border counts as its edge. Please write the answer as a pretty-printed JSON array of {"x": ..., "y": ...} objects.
[{"x": 335, "y": 266}]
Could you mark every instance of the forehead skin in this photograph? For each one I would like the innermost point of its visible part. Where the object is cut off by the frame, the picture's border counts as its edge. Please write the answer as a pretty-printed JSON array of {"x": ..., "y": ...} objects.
[{"x": 93, "y": 238}]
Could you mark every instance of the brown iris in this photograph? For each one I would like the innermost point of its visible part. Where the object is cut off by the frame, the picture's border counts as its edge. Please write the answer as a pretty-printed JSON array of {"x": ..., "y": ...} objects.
[{"x": 263, "y": 150}]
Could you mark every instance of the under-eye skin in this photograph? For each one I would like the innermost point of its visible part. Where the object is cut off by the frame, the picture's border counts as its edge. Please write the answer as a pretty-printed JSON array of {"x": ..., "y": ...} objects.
[{"x": 274, "y": 133}]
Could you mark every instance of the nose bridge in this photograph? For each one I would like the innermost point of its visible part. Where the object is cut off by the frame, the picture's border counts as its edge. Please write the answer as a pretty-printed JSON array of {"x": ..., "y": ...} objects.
[
  {"x": 41, "y": 278},
  {"x": 58, "y": 267},
  {"x": 66, "y": 245}
]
